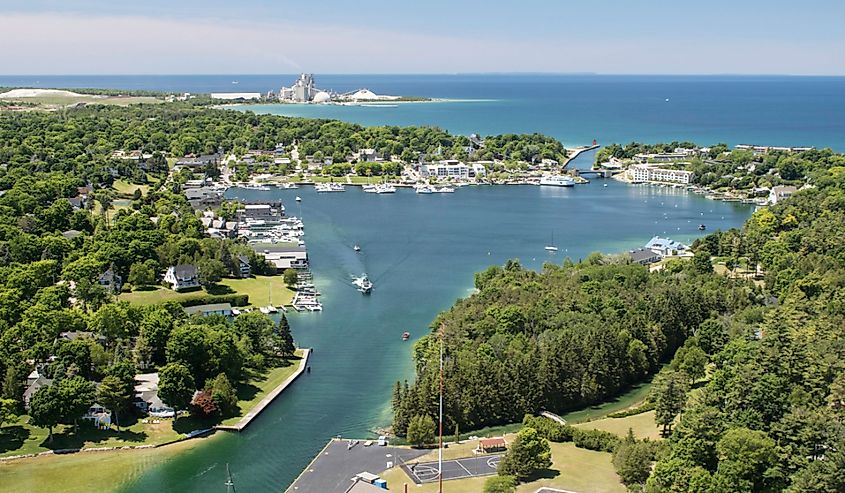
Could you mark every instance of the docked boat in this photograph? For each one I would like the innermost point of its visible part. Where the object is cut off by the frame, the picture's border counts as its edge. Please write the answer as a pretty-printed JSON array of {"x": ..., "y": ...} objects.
[
  {"x": 385, "y": 188},
  {"x": 268, "y": 309},
  {"x": 423, "y": 189},
  {"x": 557, "y": 181},
  {"x": 363, "y": 284},
  {"x": 255, "y": 186},
  {"x": 443, "y": 190},
  {"x": 406, "y": 335},
  {"x": 368, "y": 188},
  {"x": 287, "y": 186}
]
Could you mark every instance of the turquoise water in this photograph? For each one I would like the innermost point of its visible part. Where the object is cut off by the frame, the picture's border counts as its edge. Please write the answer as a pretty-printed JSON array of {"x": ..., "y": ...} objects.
[
  {"x": 421, "y": 251},
  {"x": 770, "y": 110}
]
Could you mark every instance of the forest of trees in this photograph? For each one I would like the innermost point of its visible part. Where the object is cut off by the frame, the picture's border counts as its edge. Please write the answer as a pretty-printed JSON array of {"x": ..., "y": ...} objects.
[{"x": 769, "y": 415}]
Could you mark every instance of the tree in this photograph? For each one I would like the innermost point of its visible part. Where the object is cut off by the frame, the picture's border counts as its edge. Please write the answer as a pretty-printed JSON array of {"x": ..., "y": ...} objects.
[
  {"x": 632, "y": 461},
  {"x": 7, "y": 410},
  {"x": 670, "y": 397},
  {"x": 112, "y": 394},
  {"x": 223, "y": 395},
  {"x": 140, "y": 274},
  {"x": 693, "y": 363},
  {"x": 746, "y": 461},
  {"x": 421, "y": 430},
  {"x": 46, "y": 408},
  {"x": 290, "y": 277},
  {"x": 77, "y": 396},
  {"x": 286, "y": 343},
  {"x": 203, "y": 405},
  {"x": 701, "y": 262},
  {"x": 210, "y": 272},
  {"x": 156, "y": 327},
  {"x": 528, "y": 454},
  {"x": 712, "y": 336},
  {"x": 176, "y": 386},
  {"x": 500, "y": 484}
]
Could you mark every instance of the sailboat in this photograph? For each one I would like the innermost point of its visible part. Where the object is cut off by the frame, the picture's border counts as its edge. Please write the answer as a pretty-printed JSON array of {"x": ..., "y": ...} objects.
[
  {"x": 230, "y": 485},
  {"x": 357, "y": 247},
  {"x": 551, "y": 247}
]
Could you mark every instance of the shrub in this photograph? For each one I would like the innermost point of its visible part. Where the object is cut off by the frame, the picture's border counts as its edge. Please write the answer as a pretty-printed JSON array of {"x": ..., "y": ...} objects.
[
  {"x": 548, "y": 429},
  {"x": 598, "y": 440},
  {"x": 233, "y": 299},
  {"x": 500, "y": 484}
]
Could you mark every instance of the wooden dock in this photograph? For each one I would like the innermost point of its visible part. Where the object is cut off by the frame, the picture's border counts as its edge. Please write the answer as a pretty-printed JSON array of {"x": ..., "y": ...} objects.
[{"x": 247, "y": 419}]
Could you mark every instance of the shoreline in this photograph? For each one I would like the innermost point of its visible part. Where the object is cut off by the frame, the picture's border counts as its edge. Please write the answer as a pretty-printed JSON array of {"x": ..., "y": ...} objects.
[{"x": 269, "y": 398}]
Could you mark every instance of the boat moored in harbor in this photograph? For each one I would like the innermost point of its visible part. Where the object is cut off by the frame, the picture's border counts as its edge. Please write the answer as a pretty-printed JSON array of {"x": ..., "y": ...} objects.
[{"x": 557, "y": 181}]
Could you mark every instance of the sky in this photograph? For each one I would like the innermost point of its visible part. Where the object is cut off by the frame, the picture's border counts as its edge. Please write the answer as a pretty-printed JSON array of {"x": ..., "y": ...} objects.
[{"x": 422, "y": 36}]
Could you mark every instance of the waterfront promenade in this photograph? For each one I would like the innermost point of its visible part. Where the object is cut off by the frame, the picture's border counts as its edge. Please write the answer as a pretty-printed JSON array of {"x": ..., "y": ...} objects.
[{"x": 252, "y": 414}]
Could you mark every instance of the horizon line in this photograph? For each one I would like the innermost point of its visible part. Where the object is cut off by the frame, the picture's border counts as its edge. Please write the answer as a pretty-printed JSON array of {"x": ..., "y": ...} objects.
[{"x": 455, "y": 74}]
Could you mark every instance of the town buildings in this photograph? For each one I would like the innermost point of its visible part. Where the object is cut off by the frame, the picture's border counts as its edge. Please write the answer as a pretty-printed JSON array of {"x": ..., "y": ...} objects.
[
  {"x": 646, "y": 173},
  {"x": 780, "y": 192},
  {"x": 182, "y": 276}
]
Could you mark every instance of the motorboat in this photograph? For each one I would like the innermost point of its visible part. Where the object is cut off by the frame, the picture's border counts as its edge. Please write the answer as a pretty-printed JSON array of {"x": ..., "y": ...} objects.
[
  {"x": 385, "y": 188},
  {"x": 357, "y": 247},
  {"x": 406, "y": 335},
  {"x": 363, "y": 284},
  {"x": 701, "y": 227},
  {"x": 287, "y": 186},
  {"x": 444, "y": 190},
  {"x": 298, "y": 198},
  {"x": 368, "y": 188},
  {"x": 557, "y": 181},
  {"x": 424, "y": 189}
]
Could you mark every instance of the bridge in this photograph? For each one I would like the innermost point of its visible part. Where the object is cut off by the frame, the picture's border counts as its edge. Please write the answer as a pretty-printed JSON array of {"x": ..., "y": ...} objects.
[{"x": 599, "y": 173}]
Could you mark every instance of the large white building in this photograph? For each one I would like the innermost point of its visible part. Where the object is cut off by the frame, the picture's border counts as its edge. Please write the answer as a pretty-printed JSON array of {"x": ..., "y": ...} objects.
[
  {"x": 643, "y": 173},
  {"x": 452, "y": 168},
  {"x": 302, "y": 91}
]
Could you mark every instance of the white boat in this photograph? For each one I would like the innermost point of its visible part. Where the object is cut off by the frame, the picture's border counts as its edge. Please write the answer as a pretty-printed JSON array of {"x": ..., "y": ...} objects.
[
  {"x": 364, "y": 285},
  {"x": 329, "y": 187},
  {"x": 423, "y": 189},
  {"x": 298, "y": 198},
  {"x": 236, "y": 312},
  {"x": 368, "y": 188},
  {"x": 255, "y": 186},
  {"x": 557, "y": 181},
  {"x": 357, "y": 247},
  {"x": 385, "y": 189},
  {"x": 287, "y": 186},
  {"x": 551, "y": 247},
  {"x": 444, "y": 190}
]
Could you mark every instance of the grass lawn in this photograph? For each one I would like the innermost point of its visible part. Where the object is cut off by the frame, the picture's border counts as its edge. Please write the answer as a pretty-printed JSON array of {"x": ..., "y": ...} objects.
[
  {"x": 125, "y": 189},
  {"x": 77, "y": 473},
  {"x": 259, "y": 289},
  {"x": 256, "y": 388},
  {"x": 642, "y": 424},
  {"x": 632, "y": 398},
  {"x": 572, "y": 468},
  {"x": 22, "y": 438}
]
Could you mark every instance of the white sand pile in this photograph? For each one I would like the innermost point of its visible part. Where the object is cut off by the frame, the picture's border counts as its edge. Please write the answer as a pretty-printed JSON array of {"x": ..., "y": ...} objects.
[{"x": 37, "y": 93}]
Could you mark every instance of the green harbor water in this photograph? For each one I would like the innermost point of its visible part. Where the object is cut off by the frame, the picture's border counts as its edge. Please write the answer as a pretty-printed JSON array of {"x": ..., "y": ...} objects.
[{"x": 421, "y": 251}]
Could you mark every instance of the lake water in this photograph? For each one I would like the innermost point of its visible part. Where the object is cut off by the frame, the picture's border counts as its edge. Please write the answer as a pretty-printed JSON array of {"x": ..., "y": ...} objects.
[
  {"x": 421, "y": 251},
  {"x": 765, "y": 110}
]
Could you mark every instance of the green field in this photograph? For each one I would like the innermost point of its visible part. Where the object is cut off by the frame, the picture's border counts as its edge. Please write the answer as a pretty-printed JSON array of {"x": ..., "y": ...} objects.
[
  {"x": 642, "y": 425},
  {"x": 125, "y": 189},
  {"x": 77, "y": 473},
  {"x": 258, "y": 289},
  {"x": 258, "y": 386}
]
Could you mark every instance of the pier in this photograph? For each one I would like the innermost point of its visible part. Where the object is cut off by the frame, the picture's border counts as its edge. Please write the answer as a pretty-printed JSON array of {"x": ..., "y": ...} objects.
[{"x": 247, "y": 419}]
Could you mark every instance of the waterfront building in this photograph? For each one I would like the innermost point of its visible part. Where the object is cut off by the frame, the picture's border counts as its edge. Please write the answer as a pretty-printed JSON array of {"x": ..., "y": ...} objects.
[
  {"x": 644, "y": 173},
  {"x": 224, "y": 309},
  {"x": 283, "y": 256},
  {"x": 448, "y": 168},
  {"x": 665, "y": 246},
  {"x": 780, "y": 192},
  {"x": 644, "y": 256},
  {"x": 302, "y": 91}
]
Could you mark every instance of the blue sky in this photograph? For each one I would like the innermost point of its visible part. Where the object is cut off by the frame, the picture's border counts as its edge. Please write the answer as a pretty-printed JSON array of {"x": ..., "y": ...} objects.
[{"x": 433, "y": 36}]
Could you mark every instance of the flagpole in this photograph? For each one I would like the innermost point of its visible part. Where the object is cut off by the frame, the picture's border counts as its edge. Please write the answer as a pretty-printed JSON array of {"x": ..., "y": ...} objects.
[{"x": 440, "y": 451}]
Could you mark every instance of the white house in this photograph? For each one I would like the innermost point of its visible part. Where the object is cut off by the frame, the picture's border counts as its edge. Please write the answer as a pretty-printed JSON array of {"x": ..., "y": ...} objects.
[
  {"x": 781, "y": 192},
  {"x": 665, "y": 246},
  {"x": 183, "y": 276},
  {"x": 146, "y": 396}
]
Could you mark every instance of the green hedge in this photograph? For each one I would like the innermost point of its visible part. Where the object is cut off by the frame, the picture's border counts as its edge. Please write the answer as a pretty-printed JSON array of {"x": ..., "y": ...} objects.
[
  {"x": 648, "y": 406},
  {"x": 548, "y": 429},
  {"x": 233, "y": 299},
  {"x": 601, "y": 441}
]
